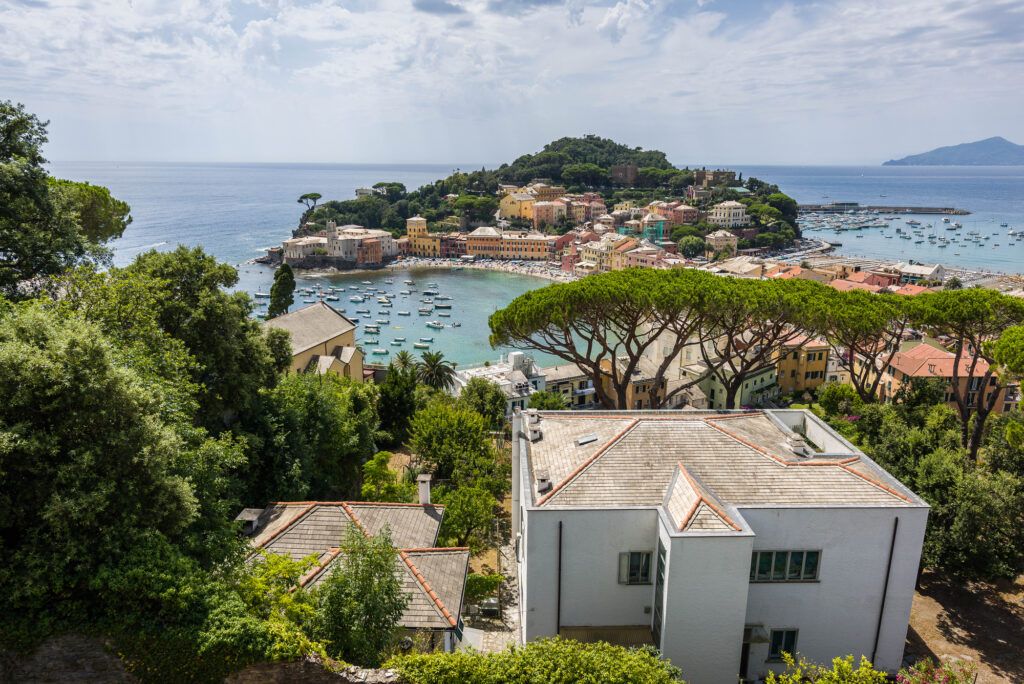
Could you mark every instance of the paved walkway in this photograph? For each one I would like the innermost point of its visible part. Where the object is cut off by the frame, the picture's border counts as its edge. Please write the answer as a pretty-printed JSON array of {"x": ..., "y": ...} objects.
[{"x": 499, "y": 633}]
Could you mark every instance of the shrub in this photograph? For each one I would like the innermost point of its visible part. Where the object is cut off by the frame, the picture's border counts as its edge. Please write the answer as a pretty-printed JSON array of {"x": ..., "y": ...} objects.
[{"x": 546, "y": 661}]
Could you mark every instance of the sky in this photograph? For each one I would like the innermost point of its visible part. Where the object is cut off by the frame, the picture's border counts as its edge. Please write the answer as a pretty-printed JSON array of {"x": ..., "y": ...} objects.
[{"x": 421, "y": 81}]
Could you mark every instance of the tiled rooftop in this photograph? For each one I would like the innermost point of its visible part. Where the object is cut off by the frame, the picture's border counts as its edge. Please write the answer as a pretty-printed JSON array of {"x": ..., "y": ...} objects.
[
  {"x": 311, "y": 325},
  {"x": 433, "y": 578},
  {"x": 698, "y": 465}
]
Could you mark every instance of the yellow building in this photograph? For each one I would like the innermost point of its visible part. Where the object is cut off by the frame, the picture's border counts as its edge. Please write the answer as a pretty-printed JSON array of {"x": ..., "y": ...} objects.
[
  {"x": 484, "y": 242},
  {"x": 422, "y": 243},
  {"x": 323, "y": 341},
  {"x": 525, "y": 246},
  {"x": 517, "y": 205},
  {"x": 638, "y": 391},
  {"x": 802, "y": 365}
]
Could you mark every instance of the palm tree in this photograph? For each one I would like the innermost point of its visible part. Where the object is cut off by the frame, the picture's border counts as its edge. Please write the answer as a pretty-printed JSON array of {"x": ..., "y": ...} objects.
[
  {"x": 403, "y": 359},
  {"x": 434, "y": 371}
]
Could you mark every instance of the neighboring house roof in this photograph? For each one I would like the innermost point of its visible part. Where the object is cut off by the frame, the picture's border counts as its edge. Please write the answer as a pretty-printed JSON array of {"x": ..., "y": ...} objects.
[
  {"x": 433, "y": 578},
  {"x": 563, "y": 371},
  {"x": 721, "y": 234},
  {"x": 844, "y": 285},
  {"x": 728, "y": 460},
  {"x": 925, "y": 361},
  {"x": 924, "y": 270},
  {"x": 806, "y": 342},
  {"x": 312, "y": 325},
  {"x": 485, "y": 231},
  {"x": 910, "y": 290}
]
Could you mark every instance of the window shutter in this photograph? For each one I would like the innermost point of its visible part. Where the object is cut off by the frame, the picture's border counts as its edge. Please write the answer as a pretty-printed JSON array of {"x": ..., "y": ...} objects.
[{"x": 624, "y": 568}]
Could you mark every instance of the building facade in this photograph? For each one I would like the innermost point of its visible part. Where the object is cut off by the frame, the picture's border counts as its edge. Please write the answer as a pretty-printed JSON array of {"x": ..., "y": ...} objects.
[
  {"x": 721, "y": 539},
  {"x": 731, "y": 214}
]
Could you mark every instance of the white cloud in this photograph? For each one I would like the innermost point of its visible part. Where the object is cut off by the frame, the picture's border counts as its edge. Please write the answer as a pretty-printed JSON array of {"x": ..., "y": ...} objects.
[{"x": 361, "y": 80}]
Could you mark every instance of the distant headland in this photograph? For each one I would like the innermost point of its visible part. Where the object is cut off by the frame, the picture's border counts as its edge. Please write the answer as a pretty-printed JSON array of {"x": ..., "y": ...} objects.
[{"x": 988, "y": 152}]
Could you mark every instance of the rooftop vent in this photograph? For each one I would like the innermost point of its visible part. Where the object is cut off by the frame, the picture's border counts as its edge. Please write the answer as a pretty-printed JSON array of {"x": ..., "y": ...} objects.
[
  {"x": 586, "y": 439},
  {"x": 533, "y": 416},
  {"x": 543, "y": 480},
  {"x": 535, "y": 433},
  {"x": 797, "y": 445},
  {"x": 250, "y": 519}
]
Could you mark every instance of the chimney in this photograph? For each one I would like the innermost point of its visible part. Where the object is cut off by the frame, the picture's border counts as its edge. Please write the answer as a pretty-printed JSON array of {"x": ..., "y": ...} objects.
[
  {"x": 543, "y": 480},
  {"x": 423, "y": 485}
]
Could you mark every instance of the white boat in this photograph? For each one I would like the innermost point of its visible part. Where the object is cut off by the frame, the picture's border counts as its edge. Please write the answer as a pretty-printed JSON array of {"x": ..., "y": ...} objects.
[
  {"x": 399, "y": 339},
  {"x": 357, "y": 299},
  {"x": 262, "y": 295},
  {"x": 404, "y": 313},
  {"x": 396, "y": 343},
  {"x": 380, "y": 352},
  {"x": 436, "y": 325},
  {"x": 420, "y": 345},
  {"x": 367, "y": 282},
  {"x": 426, "y": 339},
  {"x": 444, "y": 314}
]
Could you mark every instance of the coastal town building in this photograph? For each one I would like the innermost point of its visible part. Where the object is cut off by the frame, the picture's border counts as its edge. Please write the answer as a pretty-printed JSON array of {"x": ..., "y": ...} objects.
[
  {"x": 730, "y": 214},
  {"x": 760, "y": 385},
  {"x": 723, "y": 539},
  {"x": 575, "y": 386},
  {"x": 683, "y": 214},
  {"x": 643, "y": 383},
  {"x": 433, "y": 578},
  {"x": 526, "y": 246},
  {"x": 323, "y": 341},
  {"x": 518, "y": 205},
  {"x": 516, "y": 375},
  {"x": 709, "y": 179},
  {"x": 721, "y": 241},
  {"x": 548, "y": 213},
  {"x": 484, "y": 242},
  {"x": 802, "y": 365},
  {"x": 916, "y": 273},
  {"x": 927, "y": 359}
]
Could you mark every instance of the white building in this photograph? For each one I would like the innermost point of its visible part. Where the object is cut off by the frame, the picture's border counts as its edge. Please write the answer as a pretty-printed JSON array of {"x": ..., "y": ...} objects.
[
  {"x": 729, "y": 214},
  {"x": 721, "y": 538},
  {"x": 915, "y": 273},
  {"x": 517, "y": 376}
]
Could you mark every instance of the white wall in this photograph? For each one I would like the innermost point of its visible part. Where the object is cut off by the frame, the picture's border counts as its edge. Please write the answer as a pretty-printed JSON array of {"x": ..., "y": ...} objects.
[
  {"x": 837, "y": 615},
  {"x": 591, "y": 543},
  {"x": 706, "y": 603}
]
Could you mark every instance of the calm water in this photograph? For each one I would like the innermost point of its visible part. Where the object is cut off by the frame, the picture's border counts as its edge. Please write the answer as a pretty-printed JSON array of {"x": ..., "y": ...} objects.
[
  {"x": 993, "y": 195},
  {"x": 235, "y": 210},
  {"x": 475, "y": 296}
]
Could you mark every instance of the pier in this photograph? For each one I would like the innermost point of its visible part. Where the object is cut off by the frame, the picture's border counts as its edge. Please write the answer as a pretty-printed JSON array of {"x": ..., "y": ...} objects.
[{"x": 843, "y": 207}]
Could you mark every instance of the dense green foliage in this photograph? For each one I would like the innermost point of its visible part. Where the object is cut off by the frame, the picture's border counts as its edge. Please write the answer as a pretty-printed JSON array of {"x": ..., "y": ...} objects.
[
  {"x": 282, "y": 291},
  {"x": 843, "y": 671},
  {"x": 481, "y": 585},
  {"x": 547, "y": 401},
  {"x": 397, "y": 402},
  {"x": 487, "y": 399},
  {"x": 433, "y": 370},
  {"x": 46, "y": 226},
  {"x": 380, "y": 483},
  {"x": 361, "y": 601},
  {"x": 691, "y": 246},
  {"x": 453, "y": 443},
  {"x": 973, "y": 527},
  {"x": 545, "y": 661},
  {"x": 309, "y": 437},
  {"x": 468, "y": 516}
]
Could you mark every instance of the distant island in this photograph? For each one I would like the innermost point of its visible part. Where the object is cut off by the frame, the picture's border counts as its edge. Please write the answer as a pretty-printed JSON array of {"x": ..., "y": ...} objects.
[{"x": 988, "y": 152}]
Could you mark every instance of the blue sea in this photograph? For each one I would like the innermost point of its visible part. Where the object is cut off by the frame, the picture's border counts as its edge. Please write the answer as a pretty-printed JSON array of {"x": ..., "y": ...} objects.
[{"x": 235, "y": 210}]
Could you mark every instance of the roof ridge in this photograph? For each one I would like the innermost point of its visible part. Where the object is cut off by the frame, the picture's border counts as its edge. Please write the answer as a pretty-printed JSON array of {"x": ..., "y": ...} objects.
[
  {"x": 355, "y": 519},
  {"x": 703, "y": 496},
  {"x": 587, "y": 463},
  {"x": 356, "y": 503},
  {"x": 321, "y": 566},
  {"x": 429, "y": 549},
  {"x": 425, "y": 585}
]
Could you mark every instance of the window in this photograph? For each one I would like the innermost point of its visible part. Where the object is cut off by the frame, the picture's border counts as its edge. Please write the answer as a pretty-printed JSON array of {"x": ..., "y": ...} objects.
[
  {"x": 635, "y": 567},
  {"x": 782, "y": 641},
  {"x": 784, "y": 566}
]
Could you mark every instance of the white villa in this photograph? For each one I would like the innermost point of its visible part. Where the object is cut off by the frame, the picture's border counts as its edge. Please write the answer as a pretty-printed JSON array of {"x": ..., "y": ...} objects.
[
  {"x": 730, "y": 214},
  {"x": 723, "y": 538},
  {"x": 517, "y": 376}
]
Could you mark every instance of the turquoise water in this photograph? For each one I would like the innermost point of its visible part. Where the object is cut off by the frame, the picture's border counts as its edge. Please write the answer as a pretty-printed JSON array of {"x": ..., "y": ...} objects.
[{"x": 475, "y": 295}]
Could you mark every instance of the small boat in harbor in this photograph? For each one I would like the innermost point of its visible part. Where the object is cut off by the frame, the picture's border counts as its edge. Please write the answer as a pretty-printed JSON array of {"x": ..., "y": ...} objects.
[
  {"x": 436, "y": 325},
  {"x": 331, "y": 298},
  {"x": 399, "y": 339},
  {"x": 358, "y": 299},
  {"x": 309, "y": 300},
  {"x": 266, "y": 295},
  {"x": 404, "y": 313},
  {"x": 444, "y": 314},
  {"x": 380, "y": 352},
  {"x": 441, "y": 305},
  {"x": 396, "y": 343},
  {"x": 383, "y": 321},
  {"x": 426, "y": 339},
  {"x": 367, "y": 282},
  {"x": 456, "y": 324},
  {"x": 420, "y": 345},
  {"x": 425, "y": 310},
  {"x": 410, "y": 282}
]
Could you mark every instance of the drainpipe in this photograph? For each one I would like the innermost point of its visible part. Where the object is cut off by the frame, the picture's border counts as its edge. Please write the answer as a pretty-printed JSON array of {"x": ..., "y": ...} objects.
[
  {"x": 885, "y": 588},
  {"x": 558, "y": 587}
]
